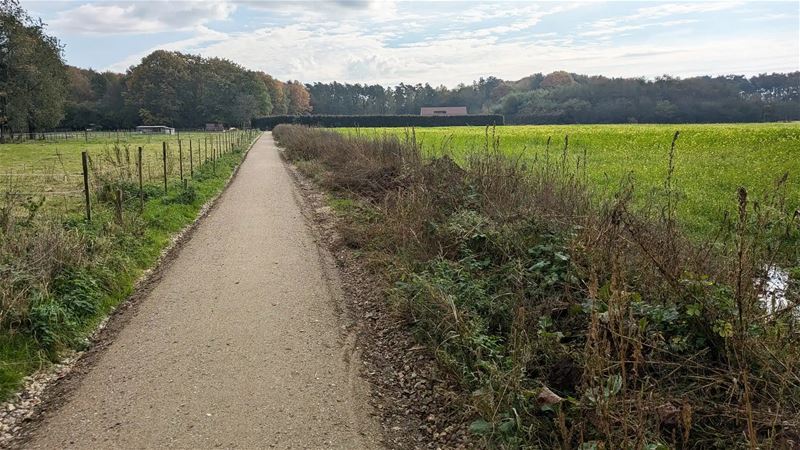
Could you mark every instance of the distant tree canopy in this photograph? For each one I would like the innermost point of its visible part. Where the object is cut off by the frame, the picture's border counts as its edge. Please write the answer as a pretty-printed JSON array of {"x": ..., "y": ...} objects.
[
  {"x": 376, "y": 120},
  {"x": 562, "y": 97},
  {"x": 39, "y": 92},
  {"x": 171, "y": 88},
  {"x": 180, "y": 90},
  {"x": 33, "y": 77}
]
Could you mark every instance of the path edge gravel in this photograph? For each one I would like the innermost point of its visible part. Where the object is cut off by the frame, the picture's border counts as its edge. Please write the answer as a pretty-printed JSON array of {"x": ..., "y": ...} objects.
[{"x": 419, "y": 407}]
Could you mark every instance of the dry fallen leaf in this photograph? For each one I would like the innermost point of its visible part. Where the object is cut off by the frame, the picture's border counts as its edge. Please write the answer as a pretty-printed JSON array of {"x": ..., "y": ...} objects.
[{"x": 548, "y": 397}]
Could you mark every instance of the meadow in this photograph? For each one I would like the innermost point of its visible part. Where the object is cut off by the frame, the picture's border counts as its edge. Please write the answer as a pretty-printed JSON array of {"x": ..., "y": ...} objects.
[
  {"x": 568, "y": 322},
  {"x": 710, "y": 161},
  {"x": 52, "y": 169}
]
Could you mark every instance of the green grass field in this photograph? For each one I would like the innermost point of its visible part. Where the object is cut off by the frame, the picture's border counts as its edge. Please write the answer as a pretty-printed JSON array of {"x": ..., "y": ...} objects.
[
  {"x": 61, "y": 154},
  {"x": 711, "y": 161},
  {"x": 52, "y": 167}
]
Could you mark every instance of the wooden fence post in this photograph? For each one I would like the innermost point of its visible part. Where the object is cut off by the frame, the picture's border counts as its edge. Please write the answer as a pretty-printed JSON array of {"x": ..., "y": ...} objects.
[
  {"x": 164, "y": 157},
  {"x": 191, "y": 160},
  {"x": 141, "y": 186},
  {"x": 85, "y": 163},
  {"x": 180, "y": 158}
]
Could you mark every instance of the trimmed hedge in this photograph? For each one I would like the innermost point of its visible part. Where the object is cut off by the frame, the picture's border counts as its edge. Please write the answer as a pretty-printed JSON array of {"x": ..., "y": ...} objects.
[{"x": 269, "y": 122}]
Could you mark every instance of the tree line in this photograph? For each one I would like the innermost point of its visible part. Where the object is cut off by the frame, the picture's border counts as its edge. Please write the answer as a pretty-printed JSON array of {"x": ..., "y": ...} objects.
[
  {"x": 562, "y": 97},
  {"x": 39, "y": 92},
  {"x": 179, "y": 90},
  {"x": 377, "y": 120},
  {"x": 33, "y": 85}
]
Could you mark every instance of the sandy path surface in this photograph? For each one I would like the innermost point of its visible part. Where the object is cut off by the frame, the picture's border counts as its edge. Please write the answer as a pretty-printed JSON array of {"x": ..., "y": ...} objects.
[{"x": 238, "y": 345}]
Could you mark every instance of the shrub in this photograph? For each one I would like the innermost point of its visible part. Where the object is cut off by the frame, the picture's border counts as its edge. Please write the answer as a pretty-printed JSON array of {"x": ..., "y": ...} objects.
[
  {"x": 572, "y": 320},
  {"x": 270, "y": 122},
  {"x": 59, "y": 274}
]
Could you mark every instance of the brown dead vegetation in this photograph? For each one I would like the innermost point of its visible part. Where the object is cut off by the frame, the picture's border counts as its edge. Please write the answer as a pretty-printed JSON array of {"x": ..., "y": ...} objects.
[{"x": 571, "y": 320}]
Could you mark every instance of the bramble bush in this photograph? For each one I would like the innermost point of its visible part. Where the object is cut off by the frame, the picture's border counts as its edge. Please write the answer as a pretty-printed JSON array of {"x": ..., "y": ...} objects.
[{"x": 569, "y": 319}]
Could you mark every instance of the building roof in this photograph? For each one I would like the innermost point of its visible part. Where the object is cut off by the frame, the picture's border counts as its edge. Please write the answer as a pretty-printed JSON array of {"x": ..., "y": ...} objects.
[{"x": 443, "y": 110}]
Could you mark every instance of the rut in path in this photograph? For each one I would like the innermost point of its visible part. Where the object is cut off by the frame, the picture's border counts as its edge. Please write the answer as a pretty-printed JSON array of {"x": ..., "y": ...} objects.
[{"x": 237, "y": 345}]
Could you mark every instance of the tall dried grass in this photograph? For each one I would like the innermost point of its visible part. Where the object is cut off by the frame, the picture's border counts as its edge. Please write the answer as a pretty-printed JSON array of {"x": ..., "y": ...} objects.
[{"x": 573, "y": 319}]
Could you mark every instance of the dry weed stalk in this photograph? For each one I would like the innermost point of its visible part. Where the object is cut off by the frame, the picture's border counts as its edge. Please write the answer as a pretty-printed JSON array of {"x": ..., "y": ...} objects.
[{"x": 650, "y": 337}]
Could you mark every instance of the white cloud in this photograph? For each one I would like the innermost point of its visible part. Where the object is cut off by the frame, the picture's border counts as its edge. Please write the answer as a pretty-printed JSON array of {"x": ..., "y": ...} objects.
[
  {"x": 672, "y": 9},
  {"x": 767, "y": 17},
  {"x": 362, "y": 43},
  {"x": 646, "y": 17},
  {"x": 304, "y": 10},
  {"x": 203, "y": 37},
  {"x": 611, "y": 30},
  {"x": 302, "y": 52},
  {"x": 527, "y": 19},
  {"x": 140, "y": 17}
]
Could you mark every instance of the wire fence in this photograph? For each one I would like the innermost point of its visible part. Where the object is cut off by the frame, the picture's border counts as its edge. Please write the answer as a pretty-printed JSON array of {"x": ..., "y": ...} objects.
[
  {"x": 56, "y": 188},
  {"x": 121, "y": 135}
]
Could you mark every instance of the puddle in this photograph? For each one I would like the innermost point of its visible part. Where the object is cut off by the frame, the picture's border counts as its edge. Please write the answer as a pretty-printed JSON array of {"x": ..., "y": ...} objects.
[{"x": 773, "y": 290}]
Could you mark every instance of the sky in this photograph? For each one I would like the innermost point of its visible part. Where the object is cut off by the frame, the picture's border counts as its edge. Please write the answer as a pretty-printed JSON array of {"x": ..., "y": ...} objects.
[{"x": 439, "y": 42}]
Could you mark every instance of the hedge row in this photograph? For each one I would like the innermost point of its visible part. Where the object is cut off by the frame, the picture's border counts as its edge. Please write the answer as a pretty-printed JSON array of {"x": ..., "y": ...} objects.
[{"x": 269, "y": 122}]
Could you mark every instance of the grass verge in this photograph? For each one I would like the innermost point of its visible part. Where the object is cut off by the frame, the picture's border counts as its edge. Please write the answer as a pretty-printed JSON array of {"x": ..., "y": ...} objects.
[
  {"x": 569, "y": 319},
  {"x": 710, "y": 161},
  {"x": 60, "y": 278}
]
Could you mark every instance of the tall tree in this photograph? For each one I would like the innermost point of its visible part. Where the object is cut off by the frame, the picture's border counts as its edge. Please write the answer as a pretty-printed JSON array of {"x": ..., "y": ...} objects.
[
  {"x": 277, "y": 94},
  {"x": 97, "y": 100},
  {"x": 33, "y": 77},
  {"x": 250, "y": 100},
  {"x": 299, "y": 99},
  {"x": 158, "y": 86}
]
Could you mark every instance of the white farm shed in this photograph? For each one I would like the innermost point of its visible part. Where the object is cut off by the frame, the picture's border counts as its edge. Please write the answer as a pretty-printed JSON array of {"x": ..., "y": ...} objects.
[
  {"x": 443, "y": 111},
  {"x": 155, "y": 129}
]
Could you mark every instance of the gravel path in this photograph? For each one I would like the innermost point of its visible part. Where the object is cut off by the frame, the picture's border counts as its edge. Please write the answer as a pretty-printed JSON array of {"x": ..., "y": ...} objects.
[{"x": 239, "y": 343}]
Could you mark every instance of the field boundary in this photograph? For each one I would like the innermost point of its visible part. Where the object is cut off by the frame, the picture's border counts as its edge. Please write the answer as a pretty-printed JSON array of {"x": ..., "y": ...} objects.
[
  {"x": 411, "y": 396},
  {"x": 522, "y": 285},
  {"x": 45, "y": 390},
  {"x": 378, "y": 120}
]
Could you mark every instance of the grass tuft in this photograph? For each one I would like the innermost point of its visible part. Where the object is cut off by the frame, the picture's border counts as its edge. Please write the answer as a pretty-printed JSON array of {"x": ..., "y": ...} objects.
[
  {"x": 60, "y": 276},
  {"x": 572, "y": 319}
]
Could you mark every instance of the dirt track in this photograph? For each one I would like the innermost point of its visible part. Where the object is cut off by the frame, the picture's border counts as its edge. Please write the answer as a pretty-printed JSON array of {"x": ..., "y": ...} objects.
[{"x": 239, "y": 343}]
